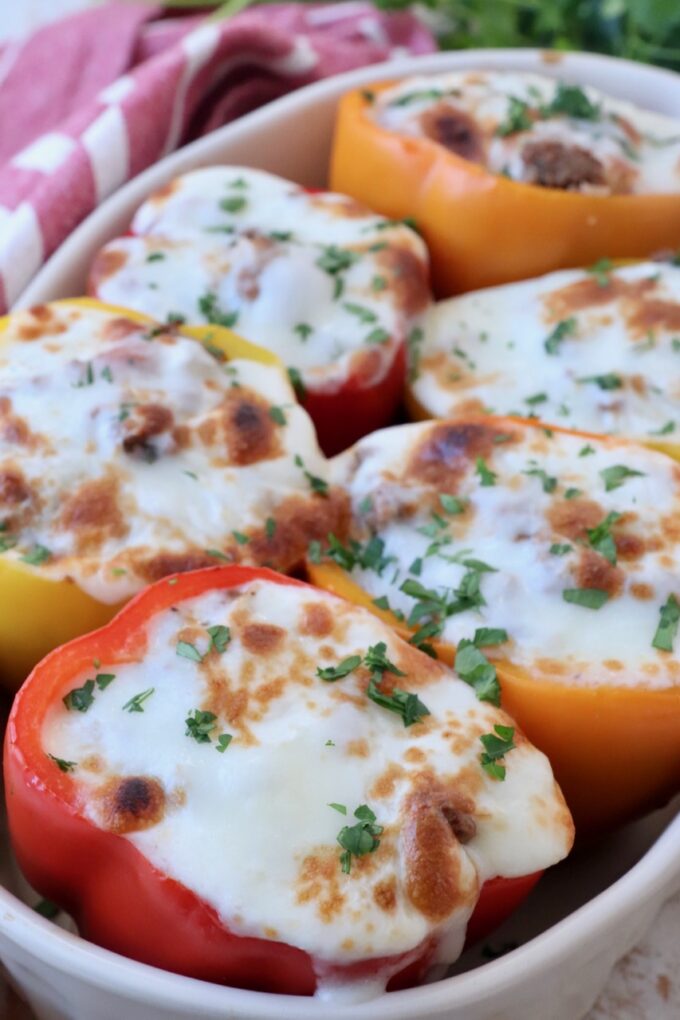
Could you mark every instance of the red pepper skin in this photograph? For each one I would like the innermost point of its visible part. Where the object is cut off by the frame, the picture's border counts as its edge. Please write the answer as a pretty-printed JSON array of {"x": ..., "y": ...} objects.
[{"x": 118, "y": 899}]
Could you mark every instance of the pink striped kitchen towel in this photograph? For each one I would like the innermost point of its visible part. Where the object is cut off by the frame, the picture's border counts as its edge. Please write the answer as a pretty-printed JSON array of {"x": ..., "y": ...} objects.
[{"x": 89, "y": 102}]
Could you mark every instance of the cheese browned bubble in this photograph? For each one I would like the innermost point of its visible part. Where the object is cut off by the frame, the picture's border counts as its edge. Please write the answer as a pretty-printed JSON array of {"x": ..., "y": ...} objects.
[
  {"x": 253, "y": 830},
  {"x": 534, "y": 129},
  {"x": 128, "y": 452},
  {"x": 597, "y": 350},
  {"x": 317, "y": 278},
  {"x": 570, "y": 545}
]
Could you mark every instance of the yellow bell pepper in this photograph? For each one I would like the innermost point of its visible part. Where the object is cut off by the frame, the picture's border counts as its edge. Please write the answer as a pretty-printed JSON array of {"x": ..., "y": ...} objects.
[
  {"x": 482, "y": 228},
  {"x": 38, "y": 612}
]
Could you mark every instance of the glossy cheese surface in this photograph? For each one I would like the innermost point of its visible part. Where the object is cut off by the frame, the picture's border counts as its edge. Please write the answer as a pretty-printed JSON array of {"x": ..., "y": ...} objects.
[
  {"x": 252, "y": 829},
  {"x": 127, "y": 452},
  {"x": 533, "y": 129},
  {"x": 571, "y": 545},
  {"x": 317, "y": 278},
  {"x": 597, "y": 350}
]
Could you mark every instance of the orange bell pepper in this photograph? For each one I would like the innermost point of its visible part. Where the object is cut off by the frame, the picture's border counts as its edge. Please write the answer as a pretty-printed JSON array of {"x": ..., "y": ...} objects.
[
  {"x": 481, "y": 228},
  {"x": 38, "y": 612},
  {"x": 615, "y": 751}
]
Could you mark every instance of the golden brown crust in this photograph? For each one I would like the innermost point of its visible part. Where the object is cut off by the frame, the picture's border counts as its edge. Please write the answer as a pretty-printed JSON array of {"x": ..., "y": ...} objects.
[
  {"x": 93, "y": 514},
  {"x": 448, "y": 450}
]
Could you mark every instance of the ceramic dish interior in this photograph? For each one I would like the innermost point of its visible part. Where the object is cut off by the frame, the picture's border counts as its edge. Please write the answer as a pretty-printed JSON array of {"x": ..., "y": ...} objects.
[{"x": 558, "y": 949}]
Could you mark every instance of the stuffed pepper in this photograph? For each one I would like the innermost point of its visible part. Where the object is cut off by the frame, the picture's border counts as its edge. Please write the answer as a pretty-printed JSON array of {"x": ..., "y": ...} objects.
[
  {"x": 332, "y": 289},
  {"x": 247, "y": 780},
  {"x": 595, "y": 349},
  {"x": 129, "y": 451},
  {"x": 509, "y": 175},
  {"x": 545, "y": 565}
]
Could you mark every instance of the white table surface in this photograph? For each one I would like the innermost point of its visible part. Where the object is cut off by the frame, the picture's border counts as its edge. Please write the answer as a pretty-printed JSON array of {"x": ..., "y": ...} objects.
[{"x": 645, "y": 985}]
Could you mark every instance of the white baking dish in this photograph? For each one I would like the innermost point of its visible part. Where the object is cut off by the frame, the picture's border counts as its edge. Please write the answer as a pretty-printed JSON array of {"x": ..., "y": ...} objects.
[{"x": 586, "y": 913}]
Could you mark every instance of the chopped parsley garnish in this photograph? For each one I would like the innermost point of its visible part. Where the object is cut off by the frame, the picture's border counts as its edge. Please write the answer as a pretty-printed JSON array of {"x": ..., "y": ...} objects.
[
  {"x": 314, "y": 551},
  {"x": 377, "y": 336},
  {"x": 668, "y": 625},
  {"x": 601, "y": 539},
  {"x": 220, "y": 636},
  {"x": 340, "y": 808},
  {"x": 210, "y": 308},
  {"x": 589, "y": 598},
  {"x": 155, "y": 256},
  {"x": 36, "y": 555},
  {"x": 563, "y": 329},
  {"x": 103, "y": 680},
  {"x": 665, "y": 430},
  {"x": 316, "y": 484},
  {"x": 270, "y": 527},
  {"x": 413, "y": 342},
  {"x": 343, "y": 668},
  {"x": 485, "y": 637},
  {"x": 296, "y": 382},
  {"x": 80, "y": 698},
  {"x": 573, "y": 493},
  {"x": 586, "y": 450},
  {"x": 496, "y": 745},
  {"x": 614, "y": 476},
  {"x": 571, "y": 101},
  {"x": 609, "y": 381},
  {"x": 431, "y": 605},
  {"x": 276, "y": 414},
  {"x": 135, "y": 704},
  {"x": 186, "y": 650},
  {"x": 217, "y": 554},
  {"x": 548, "y": 483},
  {"x": 378, "y": 283},
  {"x": 601, "y": 270},
  {"x": 517, "y": 118},
  {"x": 62, "y": 764},
  {"x": 223, "y": 742},
  {"x": 233, "y": 204},
  {"x": 303, "y": 330},
  {"x": 200, "y": 725},
  {"x": 536, "y": 398},
  {"x": 362, "y": 313},
  {"x": 360, "y": 839},
  {"x": 486, "y": 476},
  {"x": 335, "y": 260},
  {"x": 451, "y": 504},
  {"x": 417, "y": 96},
  {"x": 560, "y": 548},
  {"x": 87, "y": 379},
  {"x": 107, "y": 374},
  {"x": 402, "y": 703},
  {"x": 241, "y": 538},
  {"x": 474, "y": 668}
]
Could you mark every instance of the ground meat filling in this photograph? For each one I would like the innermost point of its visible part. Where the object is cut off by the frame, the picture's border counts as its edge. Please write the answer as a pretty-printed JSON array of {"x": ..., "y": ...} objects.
[
  {"x": 455, "y": 130},
  {"x": 555, "y": 165}
]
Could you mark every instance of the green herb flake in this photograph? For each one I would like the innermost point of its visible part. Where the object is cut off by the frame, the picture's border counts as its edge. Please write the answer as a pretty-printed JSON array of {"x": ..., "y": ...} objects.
[
  {"x": 135, "y": 704},
  {"x": 223, "y": 742},
  {"x": 609, "y": 381},
  {"x": 241, "y": 538},
  {"x": 62, "y": 764},
  {"x": 220, "y": 636},
  {"x": 588, "y": 598},
  {"x": 200, "y": 725},
  {"x": 36, "y": 555},
  {"x": 217, "y": 555},
  {"x": 80, "y": 698},
  {"x": 451, "y": 504},
  {"x": 474, "y": 668},
  {"x": 572, "y": 101},
  {"x": 277, "y": 416},
  {"x": 496, "y": 745},
  {"x": 340, "y": 808},
  {"x": 362, "y": 313},
  {"x": 316, "y": 484},
  {"x": 377, "y": 336},
  {"x": 209, "y": 307},
  {"x": 601, "y": 270},
  {"x": 344, "y": 668},
  {"x": 560, "y": 548},
  {"x": 563, "y": 329},
  {"x": 586, "y": 451},
  {"x": 155, "y": 256},
  {"x": 186, "y": 650},
  {"x": 548, "y": 483},
  {"x": 360, "y": 839},
  {"x": 378, "y": 283},
  {"x": 484, "y": 473},
  {"x": 303, "y": 330},
  {"x": 573, "y": 493},
  {"x": 270, "y": 528},
  {"x": 296, "y": 382},
  {"x": 233, "y": 204},
  {"x": 668, "y": 625},
  {"x": 518, "y": 118},
  {"x": 601, "y": 539},
  {"x": 665, "y": 430},
  {"x": 614, "y": 476}
]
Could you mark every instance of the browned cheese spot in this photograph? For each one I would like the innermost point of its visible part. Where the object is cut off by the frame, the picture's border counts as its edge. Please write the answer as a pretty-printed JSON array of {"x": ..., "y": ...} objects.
[
  {"x": 262, "y": 638},
  {"x": 120, "y": 328},
  {"x": 132, "y": 803},
  {"x": 14, "y": 489},
  {"x": 243, "y": 428},
  {"x": 300, "y": 520},
  {"x": 14, "y": 430},
  {"x": 385, "y": 894},
  {"x": 573, "y": 517},
  {"x": 145, "y": 423},
  {"x": 316, "y": 619},
  {"x": 164, "y": 563},
  {"x": 319, "y": 879},
  {"x": 455, "y": 130},
  {"x": 642, "y": 591},
  {"x": 264, "y": 249},
  {"x": 590, "y": 293},
  {"x": 432, "y": 866},
  {"x": 594, "y": 571},
  {"x": 39, "y": 321},
  {"x": 645, "y": 316},
  {"x": 107, "y": 263},
  {"x": 409, "y": 285},
  {"x": 93, "y": 514},
  {"x": 449, "y": 450},
  {"x": 553, "y": 164}
]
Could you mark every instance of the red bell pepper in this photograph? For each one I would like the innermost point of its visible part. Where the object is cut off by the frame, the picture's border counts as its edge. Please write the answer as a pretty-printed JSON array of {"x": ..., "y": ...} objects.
[{"x": 117, "y": 897}]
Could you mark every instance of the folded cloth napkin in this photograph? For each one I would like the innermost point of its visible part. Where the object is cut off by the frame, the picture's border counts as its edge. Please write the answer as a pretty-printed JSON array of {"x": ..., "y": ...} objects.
[{"x": 89, "y": 102}]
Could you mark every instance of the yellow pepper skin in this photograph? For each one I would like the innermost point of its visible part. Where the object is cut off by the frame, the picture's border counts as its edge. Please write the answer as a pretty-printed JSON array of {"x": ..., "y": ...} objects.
[
  {"x": 615, "y": 751},
  {"x": 39, "y": 613},
  {"x": 481, "y": 228}
]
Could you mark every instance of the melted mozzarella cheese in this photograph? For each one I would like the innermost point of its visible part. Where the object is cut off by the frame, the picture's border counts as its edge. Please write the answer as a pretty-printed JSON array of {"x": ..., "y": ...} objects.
[
  {"x": 499, "y": 119},
  {"x": 586, "y": 350},
  {"x": 527, "y": 525},
  {"x": 127, "y": 452},
  {"x": 252, "y": 829},
  {"x": 316, "y": 278}
]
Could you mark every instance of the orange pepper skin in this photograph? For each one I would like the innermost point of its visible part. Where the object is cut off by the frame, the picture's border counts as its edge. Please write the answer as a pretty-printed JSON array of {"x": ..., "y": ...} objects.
[
  {"x": 615, "y": 751},
  {"x": 481, "y": 228},
  {"x": 40, "y": 612},
  {"x": 119, "y": 900}
]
